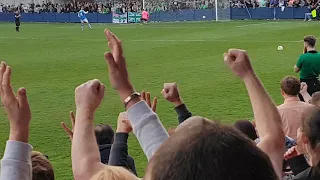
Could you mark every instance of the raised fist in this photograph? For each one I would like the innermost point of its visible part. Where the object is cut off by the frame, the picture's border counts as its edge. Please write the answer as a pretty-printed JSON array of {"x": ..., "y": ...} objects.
[
  {"x": 304, "y": 88},
  {"x": 89, "y": 95},
  {"x": 238, "y": 61},
  {"x": 171, "y": 93}
]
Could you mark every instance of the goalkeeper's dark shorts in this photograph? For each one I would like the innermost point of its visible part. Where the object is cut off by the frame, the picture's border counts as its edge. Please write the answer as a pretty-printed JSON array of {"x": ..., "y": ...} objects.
[{"x": 17, "y": 23}]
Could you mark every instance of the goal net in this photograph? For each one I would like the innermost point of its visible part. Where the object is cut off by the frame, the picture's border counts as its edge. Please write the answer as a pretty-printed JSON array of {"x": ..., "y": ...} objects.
[
  {"x": 222, "y": 10},
  {"x": 218, "y": 10}
]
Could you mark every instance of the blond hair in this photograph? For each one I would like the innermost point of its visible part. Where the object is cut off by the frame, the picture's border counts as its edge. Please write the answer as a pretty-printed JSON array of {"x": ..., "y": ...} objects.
[{"x": 114, "y": 173}]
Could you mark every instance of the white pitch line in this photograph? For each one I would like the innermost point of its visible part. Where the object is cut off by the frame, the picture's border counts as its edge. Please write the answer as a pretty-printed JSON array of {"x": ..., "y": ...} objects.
[
  {"x": 257, "y": 24},
  {"x": 45, "y": 38},
  {"x": 135, "y": 27},
  {"x": 208, "y": 40}
]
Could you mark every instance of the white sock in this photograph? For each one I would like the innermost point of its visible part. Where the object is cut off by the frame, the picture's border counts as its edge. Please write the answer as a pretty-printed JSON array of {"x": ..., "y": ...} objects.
[
  {"x": 82, "y": 27},
  {"x": 89, "y": 25}
]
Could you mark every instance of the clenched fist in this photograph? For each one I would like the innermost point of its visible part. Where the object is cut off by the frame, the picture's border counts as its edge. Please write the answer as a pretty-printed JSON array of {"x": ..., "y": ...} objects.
[
  {"x": 303, "y": 88},
  {"x": 171, "y": 93},
  {"x": 89, "y": 95},
  {"x": 238, "y": 61}
]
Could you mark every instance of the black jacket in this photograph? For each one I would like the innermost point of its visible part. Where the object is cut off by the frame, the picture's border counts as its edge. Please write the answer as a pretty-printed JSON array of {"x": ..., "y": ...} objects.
[
  {"x": 183, "y": 113},
  {"x": 119, "y": 150},
  {"x": 105, "y": 152},
  {"x": 119, "y": 153}
]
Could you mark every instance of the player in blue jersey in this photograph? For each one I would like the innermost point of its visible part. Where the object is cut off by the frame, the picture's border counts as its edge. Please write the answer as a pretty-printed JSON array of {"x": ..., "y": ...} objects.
[{"x": 83, "y": 18}]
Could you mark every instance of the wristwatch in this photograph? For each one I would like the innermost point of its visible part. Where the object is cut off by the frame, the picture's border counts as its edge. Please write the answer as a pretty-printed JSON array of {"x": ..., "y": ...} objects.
[{"x": 129, "y": 98}]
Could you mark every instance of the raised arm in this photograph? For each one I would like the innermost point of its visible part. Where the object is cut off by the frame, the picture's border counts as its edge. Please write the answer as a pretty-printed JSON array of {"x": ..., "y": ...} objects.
[
  {"x": 85, "y": 153},
  {"x": 304, "y": 92},
  {"x": 119, "y": 150},
  {"x": 171, "y": 93},
  {"x": 267, "y": 118},
  {"x": 146, "y": 124},
  {"x": 16, "y": 162}
]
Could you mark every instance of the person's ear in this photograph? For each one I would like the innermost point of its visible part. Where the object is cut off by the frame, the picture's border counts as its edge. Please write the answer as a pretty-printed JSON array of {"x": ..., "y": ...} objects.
[{"x": 304, "y": 138}]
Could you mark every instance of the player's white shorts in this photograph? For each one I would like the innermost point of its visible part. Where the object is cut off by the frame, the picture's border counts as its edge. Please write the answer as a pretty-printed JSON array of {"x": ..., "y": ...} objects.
[{"x": 84, "y": 20}]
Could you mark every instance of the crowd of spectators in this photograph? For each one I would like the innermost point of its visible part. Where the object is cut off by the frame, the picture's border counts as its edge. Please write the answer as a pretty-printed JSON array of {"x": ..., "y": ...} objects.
[
  {"x": 281, "y": 143},
  {"x": 151, "y": 5},
  {"x": 271, "y": 3},
  {"x": 131, "y": 6}
]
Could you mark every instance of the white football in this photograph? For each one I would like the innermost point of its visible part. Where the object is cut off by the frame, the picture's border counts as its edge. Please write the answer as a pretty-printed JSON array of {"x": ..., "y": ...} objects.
[
  {"x": 203, "y": 17},
  {"x": 280, "y": 48}
]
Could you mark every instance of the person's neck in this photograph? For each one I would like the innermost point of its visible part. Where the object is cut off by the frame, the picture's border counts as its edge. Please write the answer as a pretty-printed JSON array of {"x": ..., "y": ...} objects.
[
  {"x": 311, "y": 49},
  {"x": 291, "y": 98}
]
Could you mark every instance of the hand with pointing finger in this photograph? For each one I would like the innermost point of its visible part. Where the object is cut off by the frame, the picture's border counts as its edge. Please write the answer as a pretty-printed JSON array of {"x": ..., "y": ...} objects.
[
  {"x": 16, "y": 106},
  {"x": 238, "y": 61}
]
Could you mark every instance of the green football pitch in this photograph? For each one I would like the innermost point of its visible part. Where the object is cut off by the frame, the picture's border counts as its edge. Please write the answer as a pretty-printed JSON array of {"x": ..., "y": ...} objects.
[{"x": 50, "y": 60}]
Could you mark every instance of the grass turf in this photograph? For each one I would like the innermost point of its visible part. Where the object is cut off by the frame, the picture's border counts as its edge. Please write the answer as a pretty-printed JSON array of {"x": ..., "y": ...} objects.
[{"x": 50, "y": 60}]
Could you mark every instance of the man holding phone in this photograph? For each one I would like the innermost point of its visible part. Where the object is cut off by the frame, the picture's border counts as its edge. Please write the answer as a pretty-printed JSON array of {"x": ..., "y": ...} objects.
[{"x": 308, "y": 65}]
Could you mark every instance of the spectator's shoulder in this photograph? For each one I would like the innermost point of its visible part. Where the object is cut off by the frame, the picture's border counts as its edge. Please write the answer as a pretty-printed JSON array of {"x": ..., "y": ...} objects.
[
  {"x": 281, "y": 106},
  {"x": 303, "y": 55},
  {"x": 304, "y": 104},
  {"x": 308, "y": 105}
]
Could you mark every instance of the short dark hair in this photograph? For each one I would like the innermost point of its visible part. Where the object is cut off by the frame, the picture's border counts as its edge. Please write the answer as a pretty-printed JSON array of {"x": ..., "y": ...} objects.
[
  {"x": 205, "y": 150},
  {"x": 310, "y": 40},
  {"x": 104, "y": 134},
  {"x": 42, "y": 169},
  {"x": 315, "y": 99},
  {"x": 247, "y": 128},
  {"x": 290, "y": 85}
]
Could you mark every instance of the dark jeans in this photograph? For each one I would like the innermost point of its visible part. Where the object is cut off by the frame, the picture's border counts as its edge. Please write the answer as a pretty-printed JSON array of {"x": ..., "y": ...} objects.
[{"x": 313, "y": 86}]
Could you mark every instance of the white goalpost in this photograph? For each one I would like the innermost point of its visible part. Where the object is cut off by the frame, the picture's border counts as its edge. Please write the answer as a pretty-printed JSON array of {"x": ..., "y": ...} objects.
[
  {"x": 222, "y": 10},
  {"x": 216, "y": 9},
  {"x": 143, "y": 4}
]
